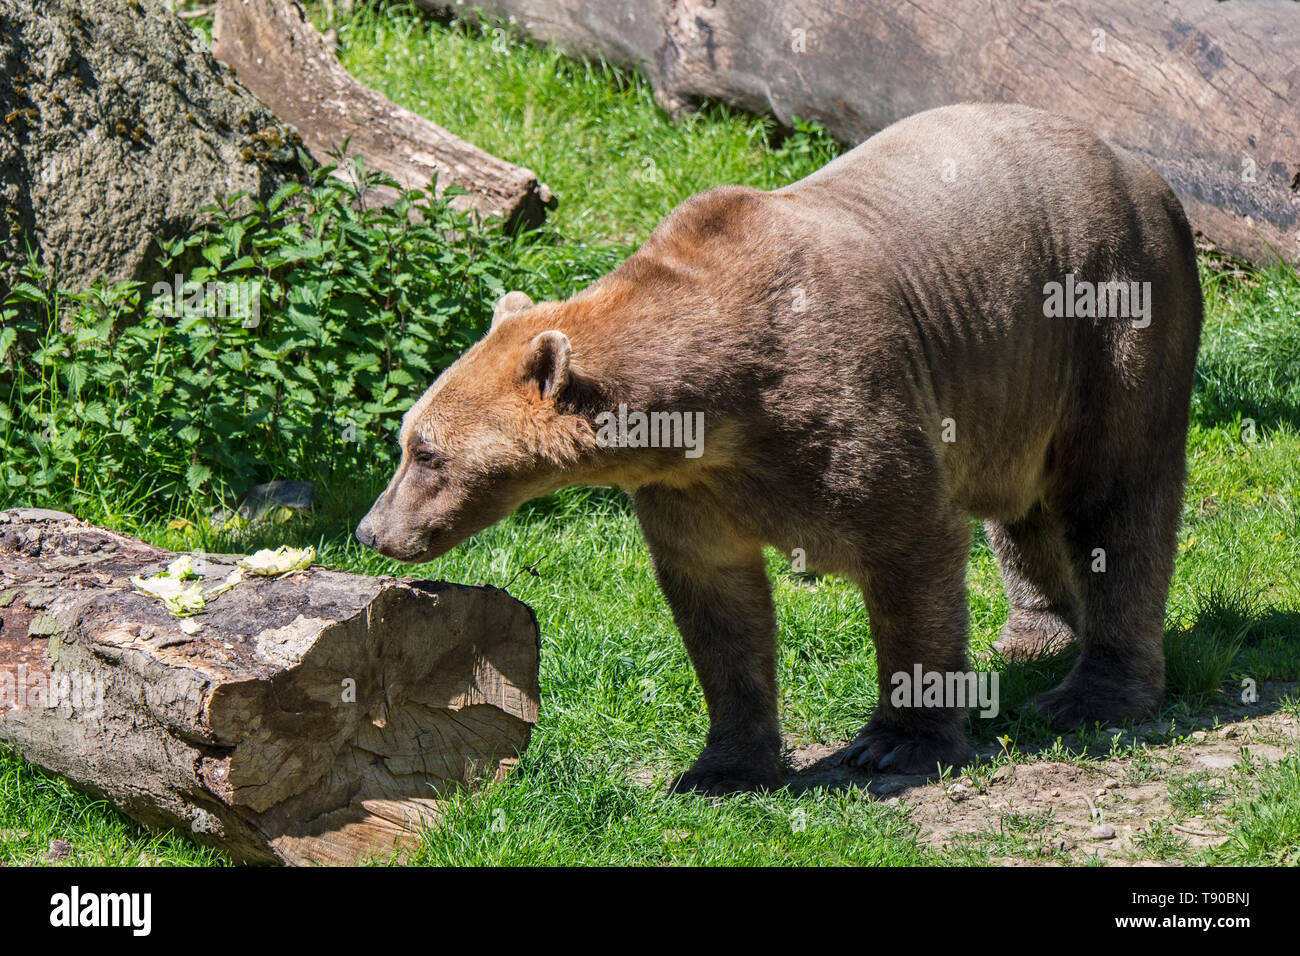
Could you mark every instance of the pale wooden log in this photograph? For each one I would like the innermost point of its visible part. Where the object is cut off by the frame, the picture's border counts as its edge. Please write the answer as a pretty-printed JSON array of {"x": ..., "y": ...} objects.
[
  {"x": 278, "y": 55},
  {"x": 244, "y": 733},
  {"x": 1206, "y": 92}
]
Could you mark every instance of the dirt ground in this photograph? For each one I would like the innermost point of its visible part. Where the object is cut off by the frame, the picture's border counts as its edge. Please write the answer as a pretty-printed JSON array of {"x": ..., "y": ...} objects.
[{"x": 1122, "y": 810}]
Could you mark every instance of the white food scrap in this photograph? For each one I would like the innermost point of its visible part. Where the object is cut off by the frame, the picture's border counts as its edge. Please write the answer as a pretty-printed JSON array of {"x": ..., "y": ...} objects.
[
  {"x": 178, "y": 597},
  {"x": 178, "y": 587},
  {"x": 282, "y": 560}
]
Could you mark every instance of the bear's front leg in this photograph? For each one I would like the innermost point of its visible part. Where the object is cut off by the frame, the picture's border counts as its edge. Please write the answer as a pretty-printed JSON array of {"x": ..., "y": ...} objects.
[
  {"x": 717, "y": 587},
  {"x": 916, "y": 602}
]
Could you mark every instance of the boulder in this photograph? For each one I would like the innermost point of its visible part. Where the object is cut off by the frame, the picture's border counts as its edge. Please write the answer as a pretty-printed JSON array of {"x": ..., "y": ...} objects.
[{"x": 116, "y": 125}]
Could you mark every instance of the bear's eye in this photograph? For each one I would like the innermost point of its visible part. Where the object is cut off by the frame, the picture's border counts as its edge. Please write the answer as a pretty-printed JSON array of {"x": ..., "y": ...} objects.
[{"x": 427, "y": 457}]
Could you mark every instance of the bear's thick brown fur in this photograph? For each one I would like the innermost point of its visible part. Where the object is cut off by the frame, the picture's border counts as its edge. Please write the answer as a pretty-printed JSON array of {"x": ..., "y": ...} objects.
[{"x": 878, "y": 353}]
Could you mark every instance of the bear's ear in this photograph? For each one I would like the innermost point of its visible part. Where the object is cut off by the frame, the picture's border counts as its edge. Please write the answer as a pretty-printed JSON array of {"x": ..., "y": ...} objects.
[
  {"x": 510, "y": 304},
  {"x": 545, "y": 364}
]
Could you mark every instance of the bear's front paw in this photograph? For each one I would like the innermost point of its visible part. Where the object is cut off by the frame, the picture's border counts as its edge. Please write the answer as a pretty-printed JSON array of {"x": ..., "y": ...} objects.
[
  {"x": 714, "y": 777},
  {"x": 900, "y": 750}
]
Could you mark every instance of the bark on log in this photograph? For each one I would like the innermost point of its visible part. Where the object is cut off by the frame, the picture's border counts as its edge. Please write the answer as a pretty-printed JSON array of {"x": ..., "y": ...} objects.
[
  {"x": 1206, "y": 92},
  {"x": 281, "y": 57},
  {"x": 315, "y": 718}
]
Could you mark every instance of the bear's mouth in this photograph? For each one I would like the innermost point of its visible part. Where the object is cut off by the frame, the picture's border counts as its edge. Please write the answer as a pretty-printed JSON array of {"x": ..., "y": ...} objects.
[
  {"x": 430, "y": 546},
  {"x": 430, "y": 553}
]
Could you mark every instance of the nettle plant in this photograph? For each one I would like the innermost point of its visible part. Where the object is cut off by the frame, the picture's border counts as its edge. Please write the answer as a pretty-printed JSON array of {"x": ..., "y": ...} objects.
[{"x": 291, "y": 349}]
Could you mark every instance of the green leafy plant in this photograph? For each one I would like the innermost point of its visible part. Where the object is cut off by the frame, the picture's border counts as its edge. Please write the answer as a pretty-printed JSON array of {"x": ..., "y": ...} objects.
[{"x": 292, "y": 335}]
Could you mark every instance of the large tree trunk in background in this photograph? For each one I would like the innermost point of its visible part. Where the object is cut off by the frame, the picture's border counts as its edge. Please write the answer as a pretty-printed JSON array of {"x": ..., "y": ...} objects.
[
  {"x": 1208, "y": 93},
  {"x": 314, "y": 718},
  {"x": 282, "y": 58}
]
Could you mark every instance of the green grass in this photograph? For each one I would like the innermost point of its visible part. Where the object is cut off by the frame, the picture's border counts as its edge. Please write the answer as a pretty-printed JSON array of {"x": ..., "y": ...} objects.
[
  {"x": 1197, "y": 792},
  {"x": 593, "y": 134},
  {"x": 1159, "y": 842},
  {"x": 621, "y": 710},
  {"x": 1267, "y": 826},
  {"x": 37, "y": 809}
]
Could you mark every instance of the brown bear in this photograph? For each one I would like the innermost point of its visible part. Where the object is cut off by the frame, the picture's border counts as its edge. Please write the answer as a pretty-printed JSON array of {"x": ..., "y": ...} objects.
[{"x": 983, "y": 310}]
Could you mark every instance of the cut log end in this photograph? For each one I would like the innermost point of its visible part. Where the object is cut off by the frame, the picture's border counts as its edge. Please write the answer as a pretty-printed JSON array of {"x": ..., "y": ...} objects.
[{"x": 318, "y": 717}]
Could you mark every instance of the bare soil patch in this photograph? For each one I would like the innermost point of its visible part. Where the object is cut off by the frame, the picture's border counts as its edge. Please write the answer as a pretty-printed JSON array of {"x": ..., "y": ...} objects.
[{"x": 1159, "y": 800}]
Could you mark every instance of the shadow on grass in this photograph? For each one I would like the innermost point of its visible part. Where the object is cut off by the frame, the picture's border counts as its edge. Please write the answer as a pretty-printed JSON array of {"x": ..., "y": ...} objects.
[
  {"x": 1226, "y": 395},
  {"x": 1229, "y": 653}
]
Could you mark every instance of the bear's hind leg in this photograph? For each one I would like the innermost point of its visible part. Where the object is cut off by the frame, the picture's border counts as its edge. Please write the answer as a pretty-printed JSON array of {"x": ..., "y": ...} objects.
[
  {"x": 1124, "y": 545},
  {"x": 1040, "y": 579}
]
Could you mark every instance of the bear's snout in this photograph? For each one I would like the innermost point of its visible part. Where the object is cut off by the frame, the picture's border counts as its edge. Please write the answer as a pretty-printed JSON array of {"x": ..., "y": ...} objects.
[
  {"x": 365, "y": 533},
  {"x": 375, "y": 531},
  {"x": 394, "y": 534}
]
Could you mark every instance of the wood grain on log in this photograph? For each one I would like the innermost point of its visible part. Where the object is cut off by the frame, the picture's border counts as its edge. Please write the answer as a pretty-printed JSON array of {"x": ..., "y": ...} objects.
[
  {"x": 278, "y": 55},
  {"x": 1206, "y": 92},
  {"x": 319, "y": 717}
]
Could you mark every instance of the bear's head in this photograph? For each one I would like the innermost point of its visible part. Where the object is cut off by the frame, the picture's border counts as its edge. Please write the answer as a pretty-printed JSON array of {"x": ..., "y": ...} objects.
[{"x": 497, "y": 428}]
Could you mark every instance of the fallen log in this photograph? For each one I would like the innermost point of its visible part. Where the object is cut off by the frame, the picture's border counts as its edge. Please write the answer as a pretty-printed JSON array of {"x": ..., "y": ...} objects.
[
  {"x": 1203, "y": 91},
  {"x": 313, "y": 718},
  {"x": 278, "y": 55}
]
